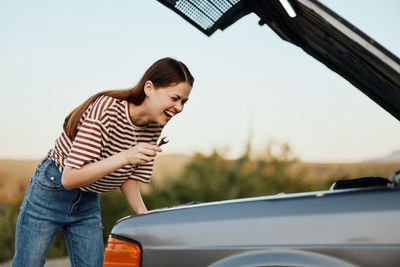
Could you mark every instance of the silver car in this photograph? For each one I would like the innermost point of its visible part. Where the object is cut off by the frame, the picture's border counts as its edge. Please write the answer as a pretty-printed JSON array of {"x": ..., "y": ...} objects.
[{"x": 354, "y": 223}]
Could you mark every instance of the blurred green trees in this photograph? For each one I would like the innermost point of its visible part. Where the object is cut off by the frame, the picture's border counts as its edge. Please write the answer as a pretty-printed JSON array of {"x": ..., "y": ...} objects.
[
  {"x": 206, "y": 178},
  {"x": 8, "y": 217},
  {"x": 215, "y": 177}
]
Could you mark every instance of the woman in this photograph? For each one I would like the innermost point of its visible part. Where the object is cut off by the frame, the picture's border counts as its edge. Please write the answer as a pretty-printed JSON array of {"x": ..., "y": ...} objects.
[{"x": 108, "y": 142}]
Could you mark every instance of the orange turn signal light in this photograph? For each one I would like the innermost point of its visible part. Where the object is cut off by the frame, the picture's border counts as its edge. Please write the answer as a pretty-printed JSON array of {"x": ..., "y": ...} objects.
[{"x": 121, "y": 253}]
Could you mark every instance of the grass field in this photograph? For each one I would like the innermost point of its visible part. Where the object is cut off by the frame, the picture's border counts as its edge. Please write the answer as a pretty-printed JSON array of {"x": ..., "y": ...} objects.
[{"x": 15, "y": 174}]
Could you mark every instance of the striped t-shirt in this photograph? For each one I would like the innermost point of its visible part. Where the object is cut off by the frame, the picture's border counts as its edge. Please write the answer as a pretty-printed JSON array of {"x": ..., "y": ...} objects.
[{"x": 104, "y": 130}]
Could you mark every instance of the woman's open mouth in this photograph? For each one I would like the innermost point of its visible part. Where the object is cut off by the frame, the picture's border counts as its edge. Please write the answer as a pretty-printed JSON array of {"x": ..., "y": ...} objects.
[{"x": 169, "y": 114}]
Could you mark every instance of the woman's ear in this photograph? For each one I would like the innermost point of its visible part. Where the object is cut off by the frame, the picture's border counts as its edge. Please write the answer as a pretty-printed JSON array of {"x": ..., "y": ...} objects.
[{"x": 148, "y": 88}]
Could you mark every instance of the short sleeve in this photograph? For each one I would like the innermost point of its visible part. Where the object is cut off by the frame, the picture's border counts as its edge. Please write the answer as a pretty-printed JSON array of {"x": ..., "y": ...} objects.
[
  {"x": 87, "y": 145},
  {"x": 142, "y": 173}
]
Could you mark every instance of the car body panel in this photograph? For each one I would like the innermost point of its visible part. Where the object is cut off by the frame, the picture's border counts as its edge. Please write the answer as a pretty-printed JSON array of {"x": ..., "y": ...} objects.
[
  {"x": 357, "y": 226},
  {"x": 324, "y": 35},
  {"x": 343, "y": 227}
]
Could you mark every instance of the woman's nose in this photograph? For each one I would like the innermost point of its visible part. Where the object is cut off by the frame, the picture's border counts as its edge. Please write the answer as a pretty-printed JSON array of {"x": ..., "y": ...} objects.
[{"x": 178, "y": 107}]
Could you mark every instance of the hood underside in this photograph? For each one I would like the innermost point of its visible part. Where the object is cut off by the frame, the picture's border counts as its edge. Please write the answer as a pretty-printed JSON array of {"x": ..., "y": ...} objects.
[{"x": 318, "y": 31}]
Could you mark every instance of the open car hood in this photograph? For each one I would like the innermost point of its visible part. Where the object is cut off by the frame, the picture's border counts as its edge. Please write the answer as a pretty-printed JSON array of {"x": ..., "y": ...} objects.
[{"x": 318, "y": 31}]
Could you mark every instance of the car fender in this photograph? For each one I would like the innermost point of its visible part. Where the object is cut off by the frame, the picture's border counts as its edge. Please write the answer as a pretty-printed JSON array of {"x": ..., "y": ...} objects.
[{"x": 281, "y": 258}]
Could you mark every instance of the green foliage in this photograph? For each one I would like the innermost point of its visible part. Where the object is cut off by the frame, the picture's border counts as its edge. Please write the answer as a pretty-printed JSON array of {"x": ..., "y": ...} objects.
[
  {"x": 206, "y": 178},
  {"x": 113, "y": 207},
  {"x": 8, "y": 218},
  {"x": 214, "y": 177},
  {"x": 58, "y": 248}
]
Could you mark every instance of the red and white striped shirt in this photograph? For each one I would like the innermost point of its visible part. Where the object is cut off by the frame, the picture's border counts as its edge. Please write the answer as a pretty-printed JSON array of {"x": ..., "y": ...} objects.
[{"x": 104, "y": 130}]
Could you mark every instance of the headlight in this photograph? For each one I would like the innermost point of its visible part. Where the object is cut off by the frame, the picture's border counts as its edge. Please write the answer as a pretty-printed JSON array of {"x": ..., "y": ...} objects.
[{"x": 122, "y": 253}]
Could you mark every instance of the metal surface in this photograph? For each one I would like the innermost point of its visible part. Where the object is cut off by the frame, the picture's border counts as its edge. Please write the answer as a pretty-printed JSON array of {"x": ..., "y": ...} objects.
[
  {"x": 358, "y": 227},
  {"x": 342, "y": 228},
  {"x": 208, "y": 15},
  {"x": 163, "y": 141},
  {"x": 322, "y": 34}
]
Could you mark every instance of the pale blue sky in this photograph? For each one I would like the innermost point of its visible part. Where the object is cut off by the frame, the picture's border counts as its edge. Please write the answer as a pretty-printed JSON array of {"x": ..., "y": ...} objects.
[{"x": 54, "y": 54}]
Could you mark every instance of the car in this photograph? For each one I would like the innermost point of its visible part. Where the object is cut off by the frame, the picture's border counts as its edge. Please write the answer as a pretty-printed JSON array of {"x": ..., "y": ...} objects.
[{"x": 354, "y": 223}]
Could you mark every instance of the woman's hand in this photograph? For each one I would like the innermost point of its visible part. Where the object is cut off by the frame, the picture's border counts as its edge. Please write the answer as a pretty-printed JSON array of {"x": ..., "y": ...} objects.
[
  {"x": 142, "y": 153},
  {"x": 89, "y": 173}
]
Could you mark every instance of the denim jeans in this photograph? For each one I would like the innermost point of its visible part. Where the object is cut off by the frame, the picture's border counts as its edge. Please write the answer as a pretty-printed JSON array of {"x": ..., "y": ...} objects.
[{"x": 48, "y": 209}]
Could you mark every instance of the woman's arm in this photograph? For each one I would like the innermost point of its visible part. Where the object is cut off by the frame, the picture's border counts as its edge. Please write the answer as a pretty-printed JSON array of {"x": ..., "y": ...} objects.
[
  {"x": 89, "y": 173},
  {"x": 130, "y": 189}
]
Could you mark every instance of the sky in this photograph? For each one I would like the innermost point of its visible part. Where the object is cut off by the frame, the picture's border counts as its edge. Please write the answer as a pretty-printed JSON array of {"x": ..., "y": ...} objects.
[{"x": 249, "y": 84}]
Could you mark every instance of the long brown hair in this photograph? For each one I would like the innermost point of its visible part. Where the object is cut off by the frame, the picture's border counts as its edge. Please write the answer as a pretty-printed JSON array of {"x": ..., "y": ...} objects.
[{"x": 162, "y": 73}]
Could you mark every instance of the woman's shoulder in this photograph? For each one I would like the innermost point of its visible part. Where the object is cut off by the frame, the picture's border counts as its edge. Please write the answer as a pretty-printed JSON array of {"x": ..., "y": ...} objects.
[
  {"x": 102, "y": 104},
  {"x": 105, "y": 100}
]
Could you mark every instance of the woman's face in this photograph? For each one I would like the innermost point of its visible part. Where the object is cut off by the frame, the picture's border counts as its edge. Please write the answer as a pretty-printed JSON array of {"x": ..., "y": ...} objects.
[{"x": 165, "y": 102}]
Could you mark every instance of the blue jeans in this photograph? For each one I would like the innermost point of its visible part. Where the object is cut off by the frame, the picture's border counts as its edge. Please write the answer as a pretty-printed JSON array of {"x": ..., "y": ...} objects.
[{"x": 47, "y": 209}]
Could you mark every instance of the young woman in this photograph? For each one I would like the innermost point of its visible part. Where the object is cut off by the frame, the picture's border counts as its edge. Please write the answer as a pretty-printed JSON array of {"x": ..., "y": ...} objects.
[{"x": 108, "y": 142}]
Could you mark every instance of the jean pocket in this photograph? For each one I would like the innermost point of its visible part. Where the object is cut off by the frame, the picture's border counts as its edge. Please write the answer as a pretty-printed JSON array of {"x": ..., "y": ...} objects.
[
  {"x": 39, "y": 165},
  {"x": 50, "y": 177},
  {"x": 42, "y": 161}
]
